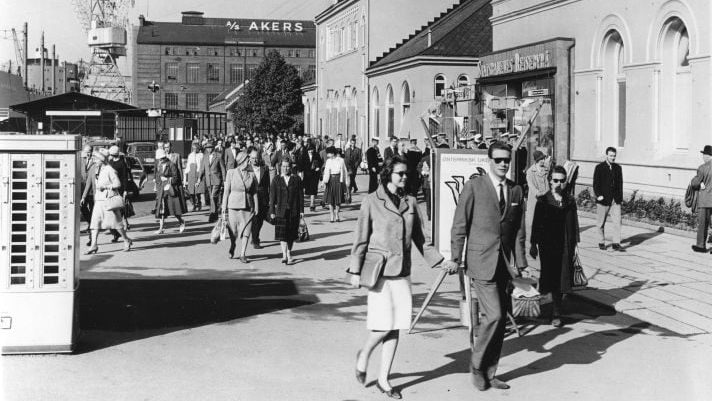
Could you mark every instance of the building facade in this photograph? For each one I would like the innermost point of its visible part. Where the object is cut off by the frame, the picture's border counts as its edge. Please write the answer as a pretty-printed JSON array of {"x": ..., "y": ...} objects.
[
  {"x": 640, "y": 82},
  {"x": 198, "y": 58},
  {"x": 352, "y": 34},
  {"x": 65, "y": 76}
]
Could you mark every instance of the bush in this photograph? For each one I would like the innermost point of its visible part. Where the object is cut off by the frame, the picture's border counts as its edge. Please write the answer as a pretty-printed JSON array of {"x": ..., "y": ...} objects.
[{"x": 655, "y": 211}]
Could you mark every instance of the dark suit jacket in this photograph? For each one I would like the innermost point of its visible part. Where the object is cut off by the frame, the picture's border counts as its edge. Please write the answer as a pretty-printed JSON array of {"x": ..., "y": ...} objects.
[
  {"x": 704, "y": 175},
  {"x": 282, "y": 197},
  {"x": 352, "y": 158},
  {"x": 229, "y": 159},
  {"x": 477, "y": 220},
  {"x": 263, "y": 188},
  {"x": 608, "y": 182},
  {"x": 277, "y": 159},
  {"x": 372, "y": 159},
  {"x": 388, "y": 153},
  {"x": 213, "y": 173}
]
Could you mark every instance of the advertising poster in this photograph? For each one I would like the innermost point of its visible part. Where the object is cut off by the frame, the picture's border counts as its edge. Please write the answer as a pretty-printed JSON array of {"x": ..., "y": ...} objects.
[{"x": 453, "y": 167}]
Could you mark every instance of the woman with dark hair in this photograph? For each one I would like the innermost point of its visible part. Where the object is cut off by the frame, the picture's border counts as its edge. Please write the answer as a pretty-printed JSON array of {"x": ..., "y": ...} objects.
[
  {"x": 555, "y": 233},
  {"x": 167, "y": 191},
  {"x": 311, "y": 163},
  {"x": 286, "y": 205},
  {"x": 337, "y": 179},
  {"x": 389, "y": 224},
  {"x": 195, "y": 190}
]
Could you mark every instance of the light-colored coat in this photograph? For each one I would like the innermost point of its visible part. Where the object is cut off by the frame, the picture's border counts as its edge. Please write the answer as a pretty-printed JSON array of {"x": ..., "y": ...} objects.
[
  {"x": 240, "y": 190},
  {"x": 478, "y": 221},
  {"x": 391, "y": 230},
  {"x": 704, "y": 175}
]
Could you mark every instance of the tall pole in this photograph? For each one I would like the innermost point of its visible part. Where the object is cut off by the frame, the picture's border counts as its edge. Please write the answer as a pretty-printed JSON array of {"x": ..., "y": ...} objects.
[
  {"x": 42, "y": 61},
  {"x": 64, "y": 77},
  {"x": 54, "y": 70},
  {"x": 24, "y": 45}
]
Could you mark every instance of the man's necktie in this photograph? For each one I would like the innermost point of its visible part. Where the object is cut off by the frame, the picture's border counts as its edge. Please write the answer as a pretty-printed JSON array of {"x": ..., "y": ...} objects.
[{"x": 501, "y": 199}]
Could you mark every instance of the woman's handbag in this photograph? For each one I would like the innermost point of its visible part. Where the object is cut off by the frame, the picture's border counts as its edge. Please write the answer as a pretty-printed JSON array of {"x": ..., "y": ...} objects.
[
  {"x": 580, "y": 280},
  {"x": 525, "y": 298},
  {"x": 129, "y": 209},
  {"x": 114, "y": 202},
  {"x": 373, "y": 264},
  {"x": 216, "y": 234},
  {"x": 303, "y": 231}
]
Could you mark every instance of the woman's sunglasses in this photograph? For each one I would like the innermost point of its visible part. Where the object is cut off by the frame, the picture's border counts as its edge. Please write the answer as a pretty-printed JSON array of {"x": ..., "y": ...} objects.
[{"x": 401, "y": 173}]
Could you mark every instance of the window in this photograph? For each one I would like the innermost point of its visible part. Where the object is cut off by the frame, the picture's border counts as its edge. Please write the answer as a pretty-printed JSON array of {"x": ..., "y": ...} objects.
[
  {"x": 375, "y": 113},
  {"x": 171, "y": 71},
  {"x": 296, "y": 53},
  {"x": 439, "y": 85},
  {"x": 255, "y": 52},
  {"x": 209, "y": 99},
  {"x": 192, "y": 73},
  {"x": 191, "y": 101},
  {"x": 171, "y": 100},
  {"x": 213, "y": 72},
  {"x": 676, "y": 100},
  {"x": 390, "y": 116},
  {"x": 613, "y": 89},
  {"x": 169, "y": 51},
  {"x": 299, "y": 70},
  {"x": 251, "y": 70},
  {"x": 311, "y": 54},
  {"x": 290, "y": 53},
  {"x": 236, "y": 74},
  {"x": 213, "y": 51},
  {"x": 235, "y": 52},
  {"x": 463, "y": 80},
  {"x": 405, "y": 99}
]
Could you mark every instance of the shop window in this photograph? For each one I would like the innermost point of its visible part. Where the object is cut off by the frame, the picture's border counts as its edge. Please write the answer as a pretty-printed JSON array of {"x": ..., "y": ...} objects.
[
  {"x": 171, "y": 100},
  {"x": 463, "y": 80},
  {"x": 192, "y": 101},
  {"x": 439, "y": 85},
  {"x": 172, "y": 72}
]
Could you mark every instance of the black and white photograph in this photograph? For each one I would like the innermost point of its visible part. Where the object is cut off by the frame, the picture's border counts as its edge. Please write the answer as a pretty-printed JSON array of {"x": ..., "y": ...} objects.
[{"x": 355, "y": 200}]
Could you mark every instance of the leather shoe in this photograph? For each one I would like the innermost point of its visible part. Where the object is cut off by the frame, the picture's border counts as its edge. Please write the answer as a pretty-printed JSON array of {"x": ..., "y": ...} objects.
[
  {"x": 392, "y": 393},
  {"x": 360, "y": 375},
  {"x": 257, "y": 245},
  {"x": 478, "y": 379},
  {"x": 699, "y": 249},
  {"x": 617, "y": 247},
  {"x": 499, "y": 384},
  {"x": 602, "y": 246}
]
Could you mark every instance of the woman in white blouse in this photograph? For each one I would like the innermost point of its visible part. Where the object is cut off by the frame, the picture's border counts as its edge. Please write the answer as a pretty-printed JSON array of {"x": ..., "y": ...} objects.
[
  {"x": 193, "y": 186},
  {"x": 336, "y": 179}
]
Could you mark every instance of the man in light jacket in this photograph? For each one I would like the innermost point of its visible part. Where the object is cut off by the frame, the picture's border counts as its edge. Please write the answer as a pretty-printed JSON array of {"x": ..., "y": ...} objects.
[{"x": 703, "y": 183}]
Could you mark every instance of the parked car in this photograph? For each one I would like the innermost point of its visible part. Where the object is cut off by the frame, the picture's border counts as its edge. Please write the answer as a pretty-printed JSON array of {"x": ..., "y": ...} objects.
[
  {"x": 138, "y": 176},
  {"x": 144, "y": 151}
]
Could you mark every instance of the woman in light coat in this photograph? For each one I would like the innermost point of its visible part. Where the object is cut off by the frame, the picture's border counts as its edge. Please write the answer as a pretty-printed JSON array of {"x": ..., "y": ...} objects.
[
  {"x": 240, "y": 203},
  {"x": 389, "y": 223},
  {"x": 106, "y": 185}
]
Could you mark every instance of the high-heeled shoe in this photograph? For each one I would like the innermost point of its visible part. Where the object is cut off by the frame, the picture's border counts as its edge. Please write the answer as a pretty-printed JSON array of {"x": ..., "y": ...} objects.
[
  {"x": 360, "y": 375},
  {"x": 127, "y": 245},
  {"x": 392, "y": 393},
  {"x": 284, "y": 261},
  {"x": 93, "y": 250}
]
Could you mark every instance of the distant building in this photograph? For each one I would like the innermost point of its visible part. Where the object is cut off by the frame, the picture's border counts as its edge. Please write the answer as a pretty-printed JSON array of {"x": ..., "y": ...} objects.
[
  {"x": 66, "y": 75},
  {"x": 195, "y": 60}
]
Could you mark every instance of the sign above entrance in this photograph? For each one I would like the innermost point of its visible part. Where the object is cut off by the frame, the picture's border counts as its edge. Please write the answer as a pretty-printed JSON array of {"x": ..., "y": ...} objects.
[
  {"x": 516, "y": 63},
  {"x": 265, "y": 26}
]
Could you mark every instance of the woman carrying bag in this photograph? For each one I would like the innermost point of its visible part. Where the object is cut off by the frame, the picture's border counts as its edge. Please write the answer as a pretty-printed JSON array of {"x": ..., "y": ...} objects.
[
  {"x": 168, "y": 200},
  {"x": 389, "y": 223},
  {"x": 240, "y": 204},
  {"x": 555, "y": 235}
]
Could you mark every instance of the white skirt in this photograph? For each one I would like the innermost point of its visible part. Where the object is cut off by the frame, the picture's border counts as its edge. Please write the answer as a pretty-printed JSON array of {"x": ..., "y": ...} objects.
[{"x": 390, "y": 304}]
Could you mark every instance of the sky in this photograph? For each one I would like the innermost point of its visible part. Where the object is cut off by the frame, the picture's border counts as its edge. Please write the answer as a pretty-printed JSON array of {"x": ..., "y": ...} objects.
[{"x": 61, "y": 25}]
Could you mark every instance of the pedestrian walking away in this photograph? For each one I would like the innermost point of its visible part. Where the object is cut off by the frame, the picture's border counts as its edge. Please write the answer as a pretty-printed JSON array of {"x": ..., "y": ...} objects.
[
  {"x": 389, "y": 224},
  {"x": 493, "y": 237},
  {"x": 240, "y": 204},
  {"x": 608, "y": 189},
  {"x": 702, "y": 182},
  {"x": 555, "y": 234},
  {"x": 167, "y": 195},
  {"x": 286, "y": 205}
]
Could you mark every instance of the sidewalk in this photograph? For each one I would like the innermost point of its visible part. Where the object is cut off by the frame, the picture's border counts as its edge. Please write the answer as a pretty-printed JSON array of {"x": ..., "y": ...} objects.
[{"x": 658, "y": 279}]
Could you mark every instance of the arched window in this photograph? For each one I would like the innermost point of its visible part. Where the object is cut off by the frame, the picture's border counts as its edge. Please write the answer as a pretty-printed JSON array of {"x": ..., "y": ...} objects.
[
  {"x": 675, "y": 84},
  {"x": 390, "y": 112},
  {"x": 307, "y": 117},
  {"x": 334, "y": 116},
  {"x": 439, "y": 85},
  {"x": 351, "y": 126},
  {"x": 375, "y": 114},
  {"x": 613, "y": 116},
  {"x": 405, "y": 98},
  {"x": 463, "y": 80}
]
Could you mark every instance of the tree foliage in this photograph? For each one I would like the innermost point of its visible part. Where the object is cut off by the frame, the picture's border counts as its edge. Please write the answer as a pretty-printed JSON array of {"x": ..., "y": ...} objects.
[{"x": 272, "y": 101}]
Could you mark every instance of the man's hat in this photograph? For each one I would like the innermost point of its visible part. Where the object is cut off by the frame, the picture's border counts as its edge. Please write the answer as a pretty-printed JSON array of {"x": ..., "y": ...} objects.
[
  {"x": 114, "y": 150},
  {"x": 478, "y": 137},
  {"x": 375, "y": 138},
  {"x": 707, "y": 150},
  {"x": 210, "y": 144}
]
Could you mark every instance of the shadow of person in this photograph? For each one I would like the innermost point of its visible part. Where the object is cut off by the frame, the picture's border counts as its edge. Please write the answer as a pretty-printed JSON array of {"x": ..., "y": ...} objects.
[
  {"x": 459, "y": 364},
  {"x": 583, "y": 350},
  {"x": 638, "y": 239}
]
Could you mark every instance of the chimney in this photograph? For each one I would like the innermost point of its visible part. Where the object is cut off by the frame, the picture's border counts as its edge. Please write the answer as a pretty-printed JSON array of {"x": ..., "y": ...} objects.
[
  {"x": 141, "y": 20},
  {"x": 192, "y": 18},
  {"x": 42, "y": 61},
  {"x": 24, "y": 49},
  {"x": 54, "y": 70}
]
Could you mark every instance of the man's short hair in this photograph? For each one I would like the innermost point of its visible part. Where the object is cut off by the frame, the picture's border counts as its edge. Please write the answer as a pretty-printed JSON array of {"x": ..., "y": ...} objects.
[
  {"x": 498, "y": 145},
  {"x": 611, "y": 149}
]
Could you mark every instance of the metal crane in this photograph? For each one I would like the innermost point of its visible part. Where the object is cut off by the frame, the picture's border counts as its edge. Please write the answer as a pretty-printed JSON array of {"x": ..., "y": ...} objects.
[
  {"x": 19, "y": 57},
  {"x": 105, "y": 22}
]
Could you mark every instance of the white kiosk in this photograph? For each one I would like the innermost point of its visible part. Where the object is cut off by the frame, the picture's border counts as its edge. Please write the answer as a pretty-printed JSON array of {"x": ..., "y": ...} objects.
[{"x": 39, "y": 238}]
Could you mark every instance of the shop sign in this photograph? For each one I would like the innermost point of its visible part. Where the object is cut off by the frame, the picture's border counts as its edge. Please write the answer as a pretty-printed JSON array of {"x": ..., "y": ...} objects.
[
  {"x": 266, "y": 26},
  {"x": 517, "y": 63},
  {"x": 462, "y": 93}
]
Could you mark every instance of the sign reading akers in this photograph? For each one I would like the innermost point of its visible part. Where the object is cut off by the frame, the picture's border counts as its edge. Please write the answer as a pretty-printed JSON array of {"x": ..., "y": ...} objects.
[{"x": 270, "y": 26}]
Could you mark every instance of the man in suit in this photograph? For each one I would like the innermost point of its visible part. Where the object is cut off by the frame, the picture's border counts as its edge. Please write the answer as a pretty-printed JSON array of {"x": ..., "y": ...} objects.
[
  {"x": 281, "y": 154},
  {"x": 262, "y": 176},
  {"x": 490, "y": 217},
  {"x": 213, "y": 172},
  {"x": 413, "y": 157},
  {"x": 391, "y": 150},
  {"x": 230, "y": 154},
  {"x": 608, "y": 189},
  {"x": 352, "y": 158},
  {"x": 703, "y": 183},
  {"x": 373, "y": 157}
]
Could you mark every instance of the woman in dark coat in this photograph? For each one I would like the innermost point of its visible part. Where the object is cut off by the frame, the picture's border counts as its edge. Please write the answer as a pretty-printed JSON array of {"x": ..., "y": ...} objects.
[
  {"x": 168, "y": 201},
  {"x": 555, "y": 233},
  {"x": 286, "y": 205},
  {"x": 312, "y": 164}
]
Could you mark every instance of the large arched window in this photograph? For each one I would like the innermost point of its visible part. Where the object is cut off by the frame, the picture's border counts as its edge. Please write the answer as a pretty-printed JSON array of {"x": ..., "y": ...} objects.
[
  {"x": 439, "y": 85},
  {"x": 375, "y": 114},
  {"x": 351, "y": 126},
  {"x": 405, "y": 99},
  {"x": 334, "y": 116},
  {"x": 463, "y": 80},
  {"x": 390, "y": 112},
  {"x": 613, "y": 116},
  {"x": 675, "y": 84}
]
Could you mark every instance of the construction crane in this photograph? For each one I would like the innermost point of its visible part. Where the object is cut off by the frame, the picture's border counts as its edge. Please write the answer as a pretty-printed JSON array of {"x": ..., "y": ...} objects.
[
  {"x": 105, "y": 22},
  {"x": 19, "y": 57}
]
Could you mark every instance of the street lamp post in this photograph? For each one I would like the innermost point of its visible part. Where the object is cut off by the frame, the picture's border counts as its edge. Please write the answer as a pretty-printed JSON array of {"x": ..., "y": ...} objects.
[{"x": 153, "y": 87}]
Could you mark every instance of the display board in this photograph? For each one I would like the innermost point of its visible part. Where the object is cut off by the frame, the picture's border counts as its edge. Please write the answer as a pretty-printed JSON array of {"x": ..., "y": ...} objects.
[{"x": 453, "y": 168}]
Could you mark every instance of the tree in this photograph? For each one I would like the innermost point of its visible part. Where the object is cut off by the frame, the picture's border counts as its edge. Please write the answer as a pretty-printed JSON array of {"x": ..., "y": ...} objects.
[{"x": 272, "y": 101}]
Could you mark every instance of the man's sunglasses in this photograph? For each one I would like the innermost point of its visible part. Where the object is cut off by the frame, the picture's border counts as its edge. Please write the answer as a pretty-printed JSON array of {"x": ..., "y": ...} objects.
[{"x": 500, "y": 160}]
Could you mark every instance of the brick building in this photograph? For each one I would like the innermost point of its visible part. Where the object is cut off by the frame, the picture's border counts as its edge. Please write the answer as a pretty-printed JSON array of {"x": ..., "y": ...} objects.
[{"x": 196, "y": 59}]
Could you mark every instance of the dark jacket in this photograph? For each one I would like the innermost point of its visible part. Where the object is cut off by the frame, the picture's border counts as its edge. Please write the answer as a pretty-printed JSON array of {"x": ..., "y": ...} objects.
[
  {"x": 213, "y": 173},
  {"x": 372, "y": 159},
  {"x": 282, "y": 197},
  {"x": 704, "y": 176},
  {"x": 388, "y": 153},
  {"x": 122, "y": 170},
  {"x": 263, "y": 189},
  {"x": 352, "y": 158},
  {"x": 608, "y": 182}
]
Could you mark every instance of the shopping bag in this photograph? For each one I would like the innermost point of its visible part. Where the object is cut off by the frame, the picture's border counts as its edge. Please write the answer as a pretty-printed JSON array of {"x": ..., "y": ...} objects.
[
  {"x": 114, "y": 202},
  {"x": 224, "y": 234},
  {"x": 580, "y": 279},
  {"x": 129, "y": 209},
  {"x": 525, "y": 298},
  {"x": 303, "y": 231},
  {"x": 217, "y": 230}
]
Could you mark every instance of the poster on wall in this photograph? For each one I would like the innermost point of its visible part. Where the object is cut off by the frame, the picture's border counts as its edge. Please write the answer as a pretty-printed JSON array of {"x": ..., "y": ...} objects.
[{"x": 453, "y": 168}]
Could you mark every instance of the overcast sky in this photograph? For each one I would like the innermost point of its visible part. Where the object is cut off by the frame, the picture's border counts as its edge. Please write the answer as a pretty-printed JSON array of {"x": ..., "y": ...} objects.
[{"x": 61, "y": 26}]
